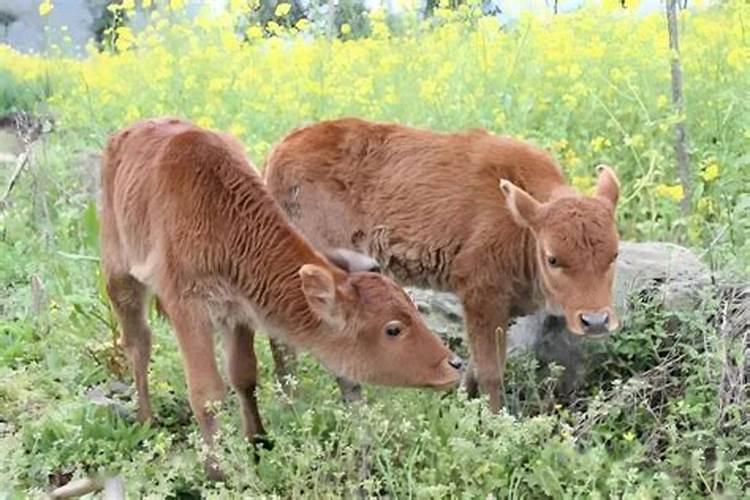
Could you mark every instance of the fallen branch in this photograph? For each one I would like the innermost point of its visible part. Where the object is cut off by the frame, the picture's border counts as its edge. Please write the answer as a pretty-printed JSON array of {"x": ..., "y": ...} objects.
[
  {"x": 77, "y": 256},
  {"x": 113, "y": 488},
  {"x": 21, "y": 162}
]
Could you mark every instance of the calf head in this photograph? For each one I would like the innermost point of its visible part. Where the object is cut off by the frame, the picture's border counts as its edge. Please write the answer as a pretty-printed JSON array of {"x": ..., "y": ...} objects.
[
  {"x": 576, "y": 247},
  {"x": 375, "y": 333}
]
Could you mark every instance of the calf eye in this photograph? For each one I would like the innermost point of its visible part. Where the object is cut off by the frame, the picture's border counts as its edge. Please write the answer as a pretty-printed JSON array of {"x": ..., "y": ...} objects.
[
  {"x": 393, "y": 328},
  {"x": 552, "y": 261}
]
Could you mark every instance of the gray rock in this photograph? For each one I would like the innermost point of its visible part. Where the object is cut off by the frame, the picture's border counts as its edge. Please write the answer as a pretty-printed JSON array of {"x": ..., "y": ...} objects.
[
  {"x": 674, "y": 272},
  {"x": 109, "y": 397},
  {"x": 669, "y": 274}
]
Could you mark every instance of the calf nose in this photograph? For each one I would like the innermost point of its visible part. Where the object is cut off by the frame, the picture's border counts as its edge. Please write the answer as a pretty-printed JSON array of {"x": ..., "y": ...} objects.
[
  {"x": 456, "y": 362},
  {"x": 593, "y": 323}
]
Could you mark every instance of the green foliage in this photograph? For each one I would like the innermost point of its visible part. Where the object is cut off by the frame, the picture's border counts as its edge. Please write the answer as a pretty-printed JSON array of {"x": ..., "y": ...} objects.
[{"x": 19, "y": 96}]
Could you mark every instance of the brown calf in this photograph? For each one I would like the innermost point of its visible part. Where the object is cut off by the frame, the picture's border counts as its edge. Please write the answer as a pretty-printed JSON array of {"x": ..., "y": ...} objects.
[
  {"x": 428, "y": 208},
  {"x": 185, "y": 215}
]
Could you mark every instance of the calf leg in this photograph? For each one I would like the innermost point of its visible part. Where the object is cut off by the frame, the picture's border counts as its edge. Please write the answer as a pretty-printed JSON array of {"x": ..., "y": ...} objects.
[
  {"x": 242, "y": 368},
  {"x": 128, "y": 297},
  {"x": 486, "y": 323},
  {"x": 194, "y": 334},
  {"x": 284, "y": 362}
]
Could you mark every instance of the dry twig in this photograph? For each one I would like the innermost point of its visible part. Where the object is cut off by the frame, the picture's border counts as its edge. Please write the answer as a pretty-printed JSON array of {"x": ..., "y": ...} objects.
[
  {"x": 21, "y": 162},
  {"x": 113, "y": 488}
]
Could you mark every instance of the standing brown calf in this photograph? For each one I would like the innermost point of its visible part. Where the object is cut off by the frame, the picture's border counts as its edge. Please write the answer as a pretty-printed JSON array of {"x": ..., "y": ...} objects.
[
  {"x": 185, "y": 215},
  {"x": 427, "y": 206}
]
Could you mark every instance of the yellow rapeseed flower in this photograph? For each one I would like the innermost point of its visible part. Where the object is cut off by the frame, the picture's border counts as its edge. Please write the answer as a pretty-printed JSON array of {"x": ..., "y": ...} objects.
[
  {"x": 570, "y": 101},
  {"x": 582, "y": 183},
  {"x": 45, "y": 7},
  {"x": 205, "y": 122},
  {"x": 273, "y": 27},
  {"x": 237, "y": 130},
  {"x": 673, "y": 192},
  {"x": 346, "y": 29},
  {"x": 125, "y": 38},
  {"x": 218, "y": 84},
  {"x": 706, "y": 205},
  {"x": 282, "y": 9},
  {"x": 635, "y": 141},
  {"x": 176, "y": 4},
  {"x": 598, "y": 143},
  {"x": 237, "y": 5},
  {"x": 711, "y": 172},
  {"x": 254, "y": 32},
  {"x": 738, "y": 58},
  {"x": 560, "y": 145}
]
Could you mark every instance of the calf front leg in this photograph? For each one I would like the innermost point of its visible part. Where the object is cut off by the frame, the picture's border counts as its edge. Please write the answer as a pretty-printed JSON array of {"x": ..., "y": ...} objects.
[
  {"x": 486, "y": 325},
  {"x": 284, "y": 364},
  {"x": 194, "y": 330},
  {"x": 242, "y": 368}
]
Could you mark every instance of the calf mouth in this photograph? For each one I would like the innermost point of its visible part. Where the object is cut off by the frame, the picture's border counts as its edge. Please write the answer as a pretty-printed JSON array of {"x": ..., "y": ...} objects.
[
  {"x": 597, "y": 336},
  {"x": 443, "y": 387}
]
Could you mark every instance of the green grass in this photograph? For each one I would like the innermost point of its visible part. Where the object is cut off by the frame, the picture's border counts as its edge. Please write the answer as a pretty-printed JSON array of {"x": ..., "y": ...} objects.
[{"x": 646, "y": 423}]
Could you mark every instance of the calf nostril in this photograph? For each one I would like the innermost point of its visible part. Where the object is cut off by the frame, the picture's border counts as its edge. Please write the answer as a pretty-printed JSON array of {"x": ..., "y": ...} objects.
[
  {"x": 594, "y": 321},
  {"x": 584, "y": 320},
  {"x": 456, "y": 362}
]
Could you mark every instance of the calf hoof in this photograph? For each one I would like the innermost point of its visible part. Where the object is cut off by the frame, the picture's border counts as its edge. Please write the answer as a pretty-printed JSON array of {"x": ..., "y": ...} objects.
[
  {"x": 496, "y": 402},
  {"x": 145, "y": 416},
  {"x": 263, "y": 442}
]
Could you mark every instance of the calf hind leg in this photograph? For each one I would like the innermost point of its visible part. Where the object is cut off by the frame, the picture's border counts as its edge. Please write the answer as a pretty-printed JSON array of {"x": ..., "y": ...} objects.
[
  {"x": 193, "y": 329},
  {"x": 128, "y": 297}
]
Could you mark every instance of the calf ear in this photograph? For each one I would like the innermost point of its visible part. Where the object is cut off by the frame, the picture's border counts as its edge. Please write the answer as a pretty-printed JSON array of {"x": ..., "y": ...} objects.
[
  {"x": 607, "y": 187},
  {"x": 524, "y": 209},
  {"x": 319, "y": 288},
  {"x": 351, "y": 261}
]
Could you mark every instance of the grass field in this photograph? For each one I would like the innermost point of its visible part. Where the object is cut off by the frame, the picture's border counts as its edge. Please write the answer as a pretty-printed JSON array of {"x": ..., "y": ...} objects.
[{"x": 592, "y": 87}]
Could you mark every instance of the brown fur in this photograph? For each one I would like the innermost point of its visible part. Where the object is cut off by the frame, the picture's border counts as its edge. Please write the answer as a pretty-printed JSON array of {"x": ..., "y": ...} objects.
[
  {"x": 428, "y": 208},
  {"x": 185, "y": 215}
]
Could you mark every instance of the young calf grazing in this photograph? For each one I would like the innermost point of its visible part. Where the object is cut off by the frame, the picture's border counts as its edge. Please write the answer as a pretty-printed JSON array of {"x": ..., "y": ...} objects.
[
  {"x": 185, "y": 215},
  {"x": 427, "y": 206}
]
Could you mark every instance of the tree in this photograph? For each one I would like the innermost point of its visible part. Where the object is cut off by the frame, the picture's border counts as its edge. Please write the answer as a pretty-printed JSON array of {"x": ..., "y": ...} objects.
[{"x": 678, "y": 102}]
